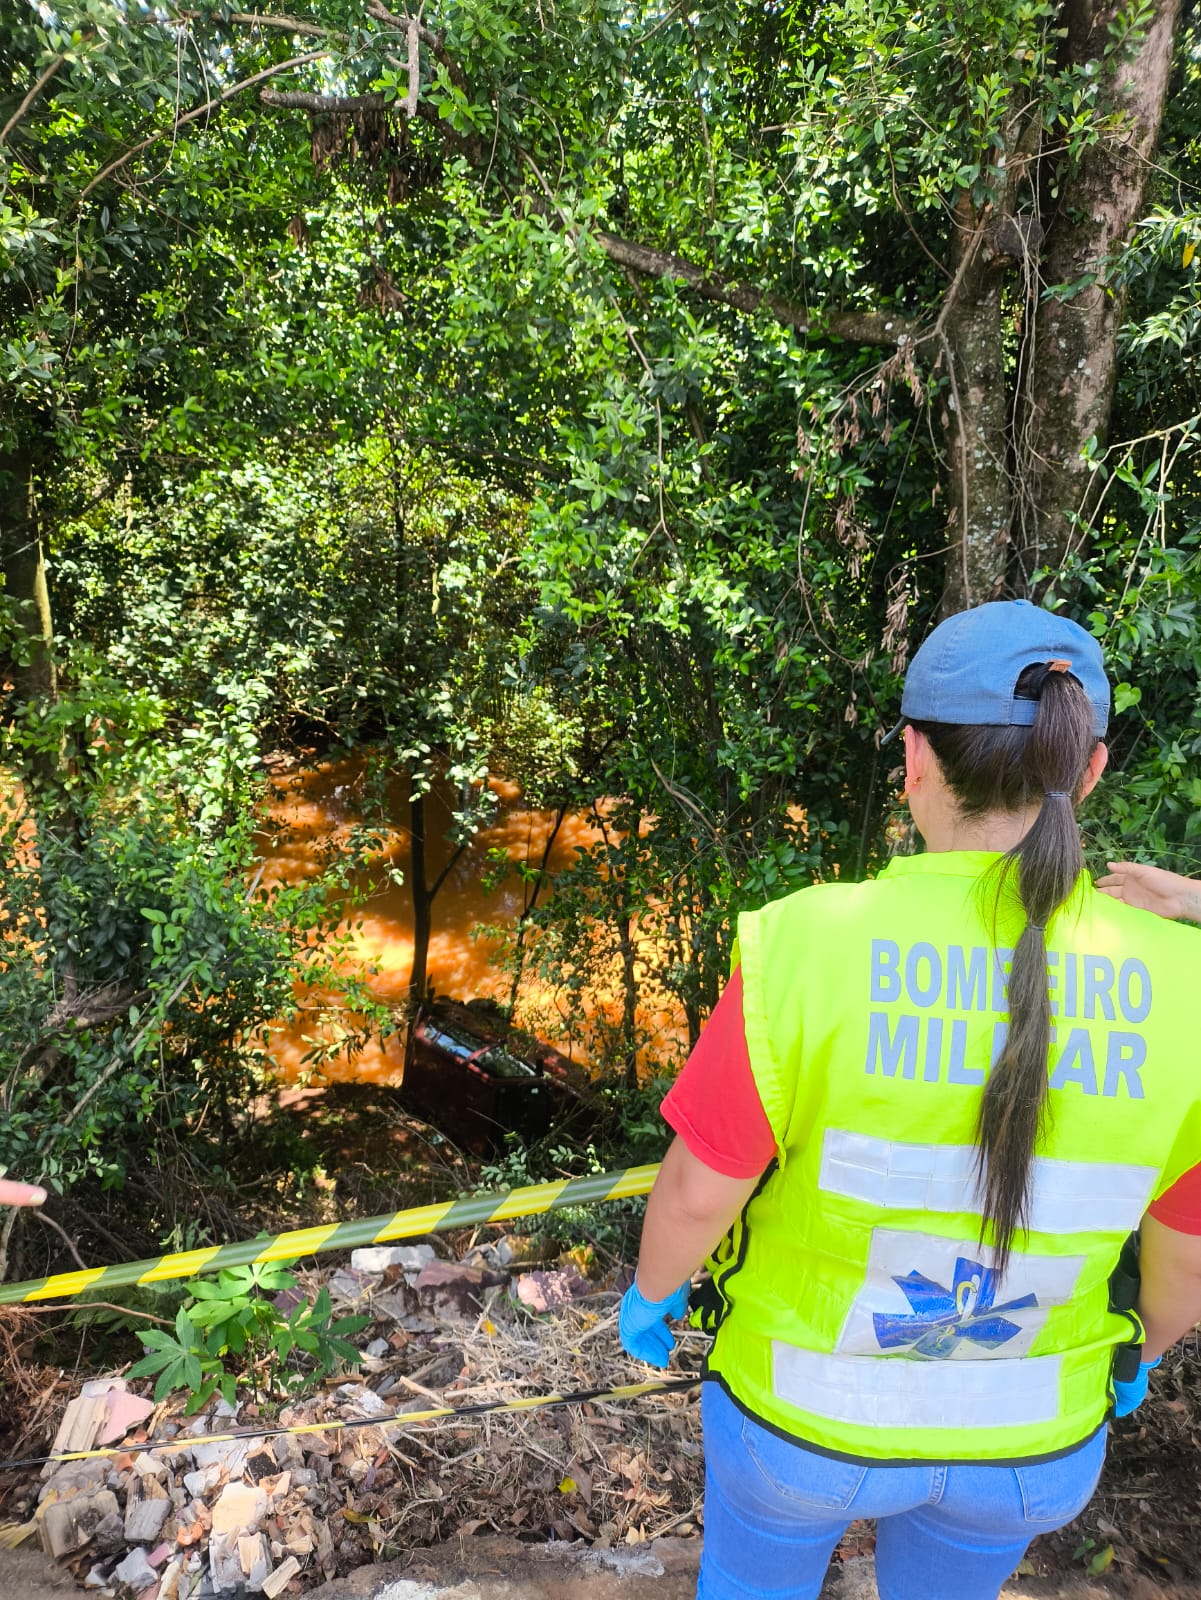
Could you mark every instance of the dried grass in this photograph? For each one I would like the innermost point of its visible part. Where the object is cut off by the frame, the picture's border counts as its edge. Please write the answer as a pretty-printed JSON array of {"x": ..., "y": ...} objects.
[
  {"x": 34, "y": 1396},
  {"x": 607, "y": 1471}
]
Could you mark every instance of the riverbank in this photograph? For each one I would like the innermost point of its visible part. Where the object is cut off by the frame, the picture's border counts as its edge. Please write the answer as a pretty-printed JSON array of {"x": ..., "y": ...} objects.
[{"x": 488, "y": 1318}]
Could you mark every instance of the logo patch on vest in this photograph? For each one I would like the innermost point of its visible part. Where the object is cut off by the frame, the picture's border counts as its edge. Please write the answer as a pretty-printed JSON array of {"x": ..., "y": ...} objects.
[
  {"x": 929, "y": 1299},
  {"x": 941, "y": 1315}
]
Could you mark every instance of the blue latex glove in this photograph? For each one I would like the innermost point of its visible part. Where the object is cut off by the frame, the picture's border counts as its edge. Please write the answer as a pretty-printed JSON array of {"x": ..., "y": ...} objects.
[
  {"x": 1128, "y": 1396},
  {"x": 642, "y": 1324}
]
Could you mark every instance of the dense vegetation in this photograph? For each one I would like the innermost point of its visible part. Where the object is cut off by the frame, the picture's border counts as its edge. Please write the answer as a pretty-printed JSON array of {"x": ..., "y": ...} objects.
[{"x": 608, "y": 396}]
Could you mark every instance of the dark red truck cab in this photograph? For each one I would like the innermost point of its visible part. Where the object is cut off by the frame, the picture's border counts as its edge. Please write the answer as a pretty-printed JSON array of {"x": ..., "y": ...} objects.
[{"x": 475, "y": 1077}]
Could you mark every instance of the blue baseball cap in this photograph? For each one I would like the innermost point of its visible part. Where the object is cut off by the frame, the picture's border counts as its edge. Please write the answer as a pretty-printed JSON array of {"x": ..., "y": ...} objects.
[{"x": 966, "y": 672}]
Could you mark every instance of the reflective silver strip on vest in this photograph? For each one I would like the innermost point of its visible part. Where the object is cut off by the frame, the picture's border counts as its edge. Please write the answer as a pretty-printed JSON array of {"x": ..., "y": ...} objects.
[
  {"x": 873, "y": 1392},
  {"x": 1067, "y": 1197}
]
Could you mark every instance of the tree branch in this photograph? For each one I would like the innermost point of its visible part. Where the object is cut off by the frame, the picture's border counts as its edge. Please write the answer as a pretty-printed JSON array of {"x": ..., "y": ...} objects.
[
  {"x": 303, "y": 100},
  {"x": 347, "y": 105},
  {"x": 92, "y": 1011},
  {"x": 199, "y": 111},
  {"x": 124, "y": 1055},
  {"x": 436, "y": 42},
  {"x": 446, "y": 870},
  {"x": 31, "y": 97},
  {"x": 257, "y": 19},
  {"x": 859, "y": 327},
  {"x": 65, "y": 1237}
]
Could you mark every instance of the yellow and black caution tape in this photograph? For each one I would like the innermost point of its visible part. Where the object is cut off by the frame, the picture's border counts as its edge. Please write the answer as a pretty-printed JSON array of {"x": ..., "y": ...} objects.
[
  {"x": 626, "y": 1391},
  {"x": 469, "y": 1211}
]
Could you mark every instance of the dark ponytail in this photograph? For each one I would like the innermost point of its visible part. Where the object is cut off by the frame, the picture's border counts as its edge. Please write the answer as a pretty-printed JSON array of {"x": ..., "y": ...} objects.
[{"x": 1008, "y": 769}]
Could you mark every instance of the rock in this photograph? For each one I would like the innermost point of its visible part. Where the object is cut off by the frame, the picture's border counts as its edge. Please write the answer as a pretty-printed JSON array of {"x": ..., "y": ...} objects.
[
  {"x": 378, "y": 1348},
  {"x": 101, "y": 1386},
  {"x": 400, "y": 1305},
  {"x": 146, "y": 1510},
  {"x": 261, "y": 1461},
  {"x": 255, "y": 1559},
  {"x": 411, "y": 1258},
  {"x": 360, "y": 1399},
  {"x": 240, "y": 1507},
  {"x": 136, "y": 1571},
  {"x": 347, "y": 1285},
  {"x": 198, "y": 1483},
  {"x": 73, "y": 1477},
  {"x": 275, "y": 1488},
  {"x": 110, "y": 1534},
  {"x": 288, "y": 1452},
  {"x": 281, "y": 1577},
  {"x": 68, "y": 1525},
  {"x": 449, "y": 1287},
  {"x": 168, "y": 1584},
  {"x": 518, "y": 1249},
  {"x": 228, "y": 1453},
  {"x": 545, "y": 1291},
  {"x": 148, "y": 1465},
  {"x": 225, "y": 1563}
]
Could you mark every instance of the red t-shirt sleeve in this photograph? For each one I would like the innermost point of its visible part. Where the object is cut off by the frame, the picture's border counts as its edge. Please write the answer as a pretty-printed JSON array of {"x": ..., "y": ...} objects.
[
  {"x": 714, "y": 1105},
  {"x": 1180, "y": 1206}
]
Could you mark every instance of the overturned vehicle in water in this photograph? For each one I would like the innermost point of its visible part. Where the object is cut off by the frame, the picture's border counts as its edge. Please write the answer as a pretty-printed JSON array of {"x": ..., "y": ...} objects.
[{"x": 476, "y": 1077}]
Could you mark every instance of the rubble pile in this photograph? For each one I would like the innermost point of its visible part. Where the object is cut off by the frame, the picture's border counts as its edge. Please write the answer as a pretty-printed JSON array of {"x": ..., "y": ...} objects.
[{"x": 204, "y": 1517}]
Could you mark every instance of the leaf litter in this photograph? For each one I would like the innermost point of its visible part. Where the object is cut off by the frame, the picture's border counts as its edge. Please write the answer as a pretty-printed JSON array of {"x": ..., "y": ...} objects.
[{"x": 606, "y": 1472}]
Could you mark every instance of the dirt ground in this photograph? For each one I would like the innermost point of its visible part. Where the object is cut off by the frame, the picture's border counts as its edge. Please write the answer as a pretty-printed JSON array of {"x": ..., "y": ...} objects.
[
  {"x": 26, "y": 1574},
  {"x": 505, "y": 1569},
  {"x": 601, "y": 1479},
  {"x": 664, "y": 1569}
]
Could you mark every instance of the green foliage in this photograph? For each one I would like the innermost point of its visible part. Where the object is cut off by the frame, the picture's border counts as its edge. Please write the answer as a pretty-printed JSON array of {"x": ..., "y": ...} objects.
[
  {"x": 631, "y": 1133},
  {"x": 232, "y": 1333},
  {"x": 1144, "y": 577},
  {"x": 351, "y": 431},
  {"x": 140, "y": 971}
]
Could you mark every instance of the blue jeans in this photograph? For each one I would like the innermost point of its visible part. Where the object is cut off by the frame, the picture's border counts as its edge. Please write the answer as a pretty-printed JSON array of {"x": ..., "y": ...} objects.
[{"x": 774, "y": 1512}]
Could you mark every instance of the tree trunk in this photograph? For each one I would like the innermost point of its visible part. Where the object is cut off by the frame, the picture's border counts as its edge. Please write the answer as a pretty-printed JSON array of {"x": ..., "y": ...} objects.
[
  {"x": 1074, "y": 363},
  {"x": 23, "y": 562},
  {"x": 975, "y": 418},
  {"x": 423, "y": 901},
  {"x": 527, "y": 911},
  {"x": 629, "y": 1006},
  {"x": 31, "y": 665}
]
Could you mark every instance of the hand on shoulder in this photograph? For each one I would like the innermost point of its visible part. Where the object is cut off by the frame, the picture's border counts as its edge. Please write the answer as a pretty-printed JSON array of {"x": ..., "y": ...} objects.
[{"x": 1168, "y": 894}]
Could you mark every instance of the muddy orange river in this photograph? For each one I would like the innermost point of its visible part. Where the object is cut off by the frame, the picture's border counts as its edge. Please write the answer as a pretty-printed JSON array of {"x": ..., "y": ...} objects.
[{"x": 312, "y": 815}]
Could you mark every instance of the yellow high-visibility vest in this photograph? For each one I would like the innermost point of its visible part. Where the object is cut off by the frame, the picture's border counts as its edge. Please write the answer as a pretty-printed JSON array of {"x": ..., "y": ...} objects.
[{"x": 860, "y": 1310}]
